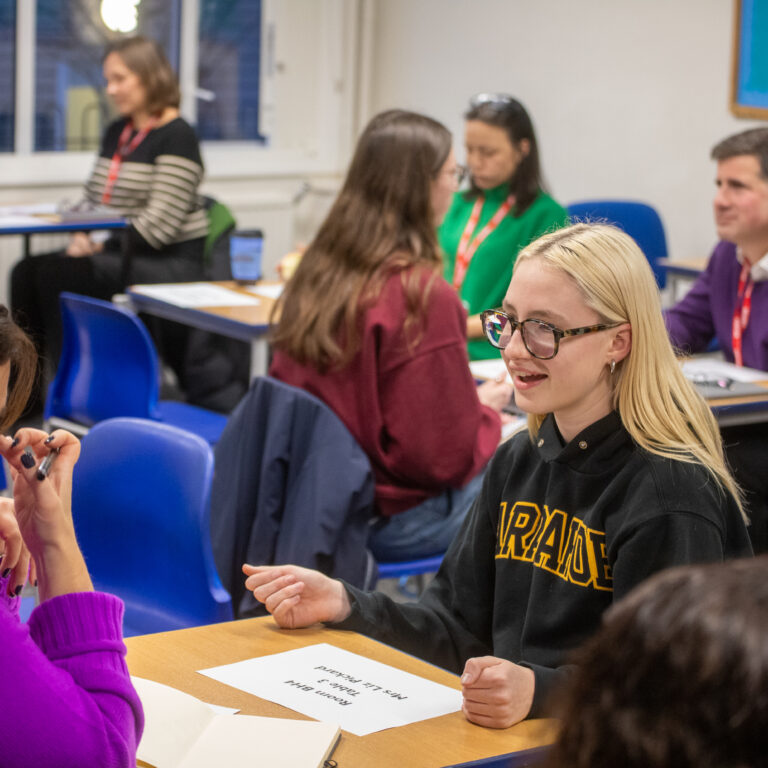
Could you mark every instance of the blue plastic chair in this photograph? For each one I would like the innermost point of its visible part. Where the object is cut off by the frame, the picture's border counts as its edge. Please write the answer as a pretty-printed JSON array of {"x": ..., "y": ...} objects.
[
  {"x": 402, "y": 570},
  {"x": 639, "y": 220},
  {"x": 109, "y": 368},
  {"x": 141, "y": 508}
]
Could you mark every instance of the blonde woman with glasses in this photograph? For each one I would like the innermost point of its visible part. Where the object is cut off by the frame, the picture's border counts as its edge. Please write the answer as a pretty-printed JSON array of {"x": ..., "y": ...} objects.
[{"x": 619, "y": 475}]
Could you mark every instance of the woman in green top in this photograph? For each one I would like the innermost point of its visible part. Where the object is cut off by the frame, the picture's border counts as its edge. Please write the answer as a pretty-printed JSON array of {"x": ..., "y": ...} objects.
[{"x": 504, "y": 209}]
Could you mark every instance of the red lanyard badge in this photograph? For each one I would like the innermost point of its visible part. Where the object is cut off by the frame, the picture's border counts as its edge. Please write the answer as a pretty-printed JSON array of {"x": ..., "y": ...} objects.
[
  {"x": 466, "y": 249},
  {"x": 125, "y": 145},
  {"x": 742, "y": 311}
]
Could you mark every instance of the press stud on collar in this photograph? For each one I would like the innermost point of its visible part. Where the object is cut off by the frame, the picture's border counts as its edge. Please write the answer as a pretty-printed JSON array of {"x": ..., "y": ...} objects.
[
  {"x": 583, "y": 445},
  {"x": 541, "y": 442}
]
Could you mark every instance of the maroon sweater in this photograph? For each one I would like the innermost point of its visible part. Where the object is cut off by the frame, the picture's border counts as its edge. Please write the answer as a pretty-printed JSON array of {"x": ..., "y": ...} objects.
[{"x": 415, "y": 412}]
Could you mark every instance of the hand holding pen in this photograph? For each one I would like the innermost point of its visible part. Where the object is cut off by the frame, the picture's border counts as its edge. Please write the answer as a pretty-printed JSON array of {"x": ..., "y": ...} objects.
[
  {"x": 43, "y": 507},
  {"x": 46, "y": 464}
]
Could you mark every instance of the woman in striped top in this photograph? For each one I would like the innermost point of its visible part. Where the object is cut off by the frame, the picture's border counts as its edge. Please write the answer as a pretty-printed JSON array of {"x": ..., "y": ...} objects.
[{"x": 149, "y": 169}]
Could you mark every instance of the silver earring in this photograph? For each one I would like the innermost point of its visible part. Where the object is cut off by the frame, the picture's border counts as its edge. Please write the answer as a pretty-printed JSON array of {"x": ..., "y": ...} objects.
[{"x": 613, "y": 366}]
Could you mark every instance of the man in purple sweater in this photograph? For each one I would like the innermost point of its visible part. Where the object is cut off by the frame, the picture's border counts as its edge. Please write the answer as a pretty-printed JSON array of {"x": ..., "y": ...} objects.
[{"x": 729, "y": 302}]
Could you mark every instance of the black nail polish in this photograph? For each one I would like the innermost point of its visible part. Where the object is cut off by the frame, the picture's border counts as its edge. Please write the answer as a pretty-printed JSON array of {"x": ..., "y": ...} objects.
[
  {"x": 49, "y": 439},
  {"x": 18, "y": 589},
  {"x": 15, "y": 442},
  {"x": 28, "y": 460},
  {"x": 6, "y": 572}
]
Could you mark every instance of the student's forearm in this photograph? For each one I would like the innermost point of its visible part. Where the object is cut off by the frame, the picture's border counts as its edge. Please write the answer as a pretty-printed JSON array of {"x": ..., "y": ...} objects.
[
  {"x": 474, "y": 327},
  {"x": 61, "y": 569}
]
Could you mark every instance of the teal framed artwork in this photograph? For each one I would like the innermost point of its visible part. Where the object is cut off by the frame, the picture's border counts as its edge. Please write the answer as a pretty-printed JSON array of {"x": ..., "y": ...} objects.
[{"x": 749, "y": 84}]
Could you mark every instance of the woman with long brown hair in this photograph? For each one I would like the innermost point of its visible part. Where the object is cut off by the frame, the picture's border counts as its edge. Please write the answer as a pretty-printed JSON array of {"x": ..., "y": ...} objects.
[{"x": 368, "y": 325}]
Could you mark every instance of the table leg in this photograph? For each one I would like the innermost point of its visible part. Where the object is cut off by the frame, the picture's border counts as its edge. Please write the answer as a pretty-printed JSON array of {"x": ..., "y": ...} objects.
[{"x": 259, "y": 357}]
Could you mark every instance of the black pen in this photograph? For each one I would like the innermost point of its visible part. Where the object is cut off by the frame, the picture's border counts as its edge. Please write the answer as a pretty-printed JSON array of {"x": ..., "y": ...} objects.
[{"x": 46, "y": 464}]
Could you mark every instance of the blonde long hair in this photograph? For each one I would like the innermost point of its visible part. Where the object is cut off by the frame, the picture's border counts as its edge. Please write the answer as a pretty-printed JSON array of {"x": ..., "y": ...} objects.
[{"x": 658, "y": 406}]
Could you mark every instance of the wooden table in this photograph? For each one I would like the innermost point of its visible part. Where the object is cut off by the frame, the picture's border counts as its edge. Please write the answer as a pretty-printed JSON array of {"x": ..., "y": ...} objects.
[
  {"x": 748, "y": 409},
  {"x": 246, "y": 323},
  {"x": 173, "y": 658}
]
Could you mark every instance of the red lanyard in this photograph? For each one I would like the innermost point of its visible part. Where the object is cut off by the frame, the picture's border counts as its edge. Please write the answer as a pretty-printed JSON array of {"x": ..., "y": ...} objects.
[
  {"x": 742, "y": 311},
  {"x": 124, "y": 148},
  {"x": 466, "y": 249}
]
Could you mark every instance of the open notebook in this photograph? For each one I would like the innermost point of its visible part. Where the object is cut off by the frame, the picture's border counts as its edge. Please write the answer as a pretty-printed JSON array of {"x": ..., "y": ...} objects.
[{"x": 181, "y": 731}]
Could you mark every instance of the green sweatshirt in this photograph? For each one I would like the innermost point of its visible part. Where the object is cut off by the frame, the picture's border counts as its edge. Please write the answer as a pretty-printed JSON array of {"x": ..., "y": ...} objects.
[{"x": 490, "y": 270}]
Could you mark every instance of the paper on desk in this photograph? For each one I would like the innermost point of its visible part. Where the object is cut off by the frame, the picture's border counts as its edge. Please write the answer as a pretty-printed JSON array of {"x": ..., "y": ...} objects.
[
  {"x": 270, "y": 291},
  {"x": 30, "y": 209},
  {"x": 489, "y": 369},
  {"x": 197, "y": 295},
  {"x": 19, "y": 220},
  {"x": 714, "y": 368},
  {"x": 181, "y": 731},
  {"x": 329, "y": 683}
]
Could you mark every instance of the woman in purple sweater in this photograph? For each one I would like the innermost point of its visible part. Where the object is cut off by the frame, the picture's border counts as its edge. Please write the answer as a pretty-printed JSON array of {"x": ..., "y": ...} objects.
[{"x": 65, "y": 688}]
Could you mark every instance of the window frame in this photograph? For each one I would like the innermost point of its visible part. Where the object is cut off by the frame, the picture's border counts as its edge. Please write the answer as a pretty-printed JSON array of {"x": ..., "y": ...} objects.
[{"x": 325, "y": 151}]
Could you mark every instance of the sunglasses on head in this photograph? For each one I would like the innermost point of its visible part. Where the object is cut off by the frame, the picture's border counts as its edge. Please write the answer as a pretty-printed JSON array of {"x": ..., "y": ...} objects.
[{"x": 494, "y": 100}]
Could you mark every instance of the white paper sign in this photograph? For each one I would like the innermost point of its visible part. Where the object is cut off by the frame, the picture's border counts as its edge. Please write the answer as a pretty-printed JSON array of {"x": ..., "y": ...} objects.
[
  {"x": 334, "y": 685},
  {"x": 197, "y": 295}
]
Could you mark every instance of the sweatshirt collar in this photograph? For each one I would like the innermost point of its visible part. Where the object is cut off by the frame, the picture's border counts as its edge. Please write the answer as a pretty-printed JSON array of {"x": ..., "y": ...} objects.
[{"x": 606, "y": 433}]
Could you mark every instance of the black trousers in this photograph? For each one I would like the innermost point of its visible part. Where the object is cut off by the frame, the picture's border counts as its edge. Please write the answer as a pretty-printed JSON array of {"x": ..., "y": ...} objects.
[
  {"x": 37, "y": 281},
  {"x": 35, "y": 285},
  {"x": 746, "y": 449},
  {"x": 212, "y": 371}
]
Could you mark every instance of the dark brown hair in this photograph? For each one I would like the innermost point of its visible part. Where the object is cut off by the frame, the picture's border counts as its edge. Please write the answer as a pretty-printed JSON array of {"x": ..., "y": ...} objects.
[
  {"x": 511, "y": 116},
  {"x": 676, "y": 678},
  {"x": 381, "y": 222},
  {"x": 17, "y": 349},
  {"x": 752, "y": 142},
  {"x": 145, "y": 58}
]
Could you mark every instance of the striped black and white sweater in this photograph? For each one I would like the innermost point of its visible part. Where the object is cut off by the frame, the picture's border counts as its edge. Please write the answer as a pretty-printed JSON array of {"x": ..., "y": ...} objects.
[{"x": 157, "y": 187}]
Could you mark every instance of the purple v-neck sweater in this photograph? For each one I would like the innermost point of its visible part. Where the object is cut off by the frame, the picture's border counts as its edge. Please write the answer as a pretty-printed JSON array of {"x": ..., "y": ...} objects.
[
  {"x": 67, "y": 696},
  {"x": 707, "y": 312}
]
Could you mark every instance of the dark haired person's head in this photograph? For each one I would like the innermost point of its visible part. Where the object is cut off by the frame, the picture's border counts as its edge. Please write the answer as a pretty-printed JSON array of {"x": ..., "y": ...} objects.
[
  {"x": 398, "y": 187},
  {"x": 677, "y": 677},
  {"x": 741, "y": 199},
  {"x": 752, "y": 142},
  {"x": 18, "y": 366},
  {"x": 145, "y": 60},
  {"x": 501, "y": 147}
]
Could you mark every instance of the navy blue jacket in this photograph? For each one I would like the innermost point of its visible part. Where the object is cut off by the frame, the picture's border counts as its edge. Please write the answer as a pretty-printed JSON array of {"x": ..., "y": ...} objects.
[{"x": 290, "y": 485}]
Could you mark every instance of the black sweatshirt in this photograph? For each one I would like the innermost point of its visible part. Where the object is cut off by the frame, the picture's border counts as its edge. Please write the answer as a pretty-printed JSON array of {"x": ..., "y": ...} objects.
[{"x": 558, "y": 533}]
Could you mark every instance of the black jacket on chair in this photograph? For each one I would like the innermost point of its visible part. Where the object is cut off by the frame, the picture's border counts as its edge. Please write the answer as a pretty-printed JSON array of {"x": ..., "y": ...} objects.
[{"x": 291, "y": 485}]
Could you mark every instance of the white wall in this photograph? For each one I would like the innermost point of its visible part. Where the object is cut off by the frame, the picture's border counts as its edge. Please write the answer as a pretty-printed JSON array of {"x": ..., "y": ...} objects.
[{"x": 627, "y": 96}]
